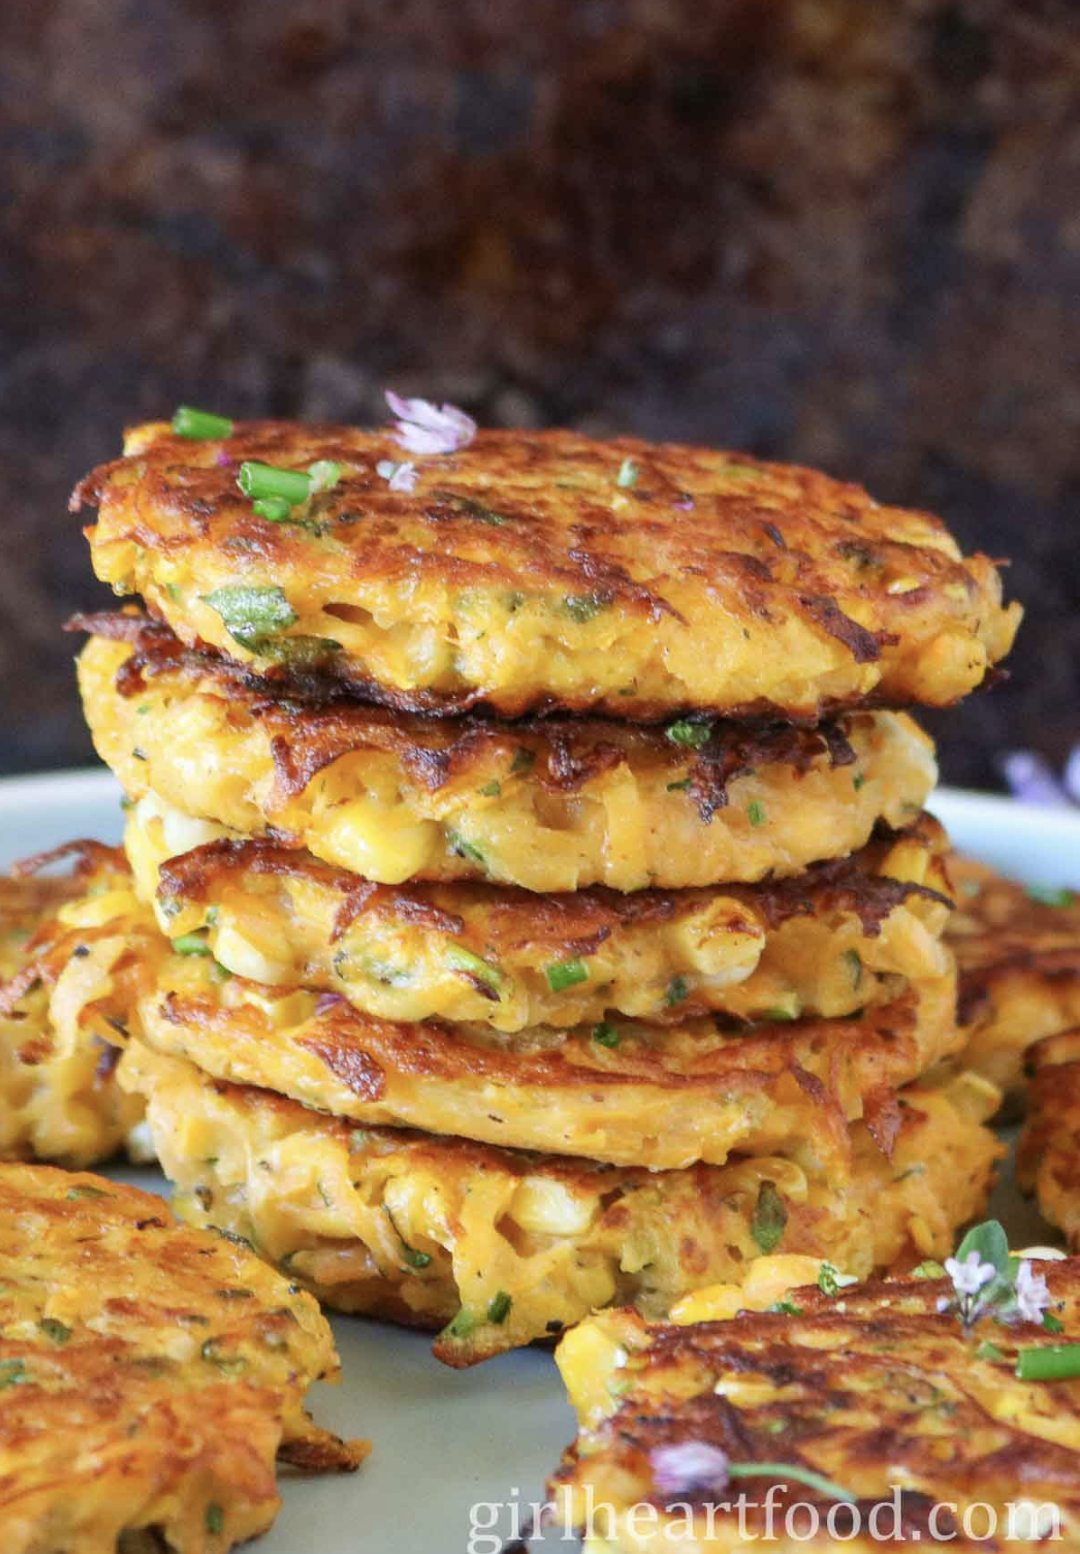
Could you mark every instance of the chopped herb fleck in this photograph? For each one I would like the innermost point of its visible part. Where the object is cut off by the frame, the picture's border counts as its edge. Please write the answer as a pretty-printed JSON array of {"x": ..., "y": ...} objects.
[
  {"x": 606, "y": 1035},
  {"x": 192, "y": 943},
  {"x": 324, "y": 474},
  {"x": 464, "y": 849},
  {"x": 499, "y": 1307},
  {"x": 524, "y": 759},
  {"x": 853, "y": 961},
  {"x": 679, "y": 787},
  {"x": 228, "y": 1364},
  {"x": 57, "y": 1331},
  {"x": 215, "y": 1520},
  {"x": 628, "y": 474},
  {"x": 857, "y": 780},
  {"x": 1051, "y": 1323},
  {"x": 462, "y": 1326},
  {"x": 251, "y": 613},
  {"x": 686, "y": 733},
  {"x": 490, "y": 790},
  {"x": 676, "y": 992},
  {"x": 988, "y": 1351},
  {"x": 770, "y": 1217},
  {"x": 200, "y": 425},
  {"x": 930, "y": 1269},
  {"x": 414, "y": 1258},
  {"x": 473, "y": 965},
  {"x": 755, "y": 813},
  {"x": 786, "y": 1307},
  {"x": 831, "y": 1281},
  {"x": 84, "y": 1190},
  {"x": 299, "y": 652},
  {"x": 12, "y": 1374},
  {"x": 566, "y": 973},
  {"x": 583, "y": 607}
]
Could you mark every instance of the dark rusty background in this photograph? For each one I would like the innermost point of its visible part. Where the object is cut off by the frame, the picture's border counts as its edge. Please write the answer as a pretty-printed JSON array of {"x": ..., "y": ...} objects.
[{"x": 839, "y": 231}]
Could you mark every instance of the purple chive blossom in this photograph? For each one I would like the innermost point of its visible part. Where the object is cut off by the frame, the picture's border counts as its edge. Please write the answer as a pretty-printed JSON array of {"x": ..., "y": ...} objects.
[
  {"x": 690, "y": 1467},
  {"x": 426, "y": 428},
  {"x": 684, "y": 503},
  {"x": 222, "y": 458},
  {"x": 1032, "y": 781},
  {"x": 1032, "y": 1294},
  {"x": 969, "y": 1276},
  {"x": 399, "y": 477}
]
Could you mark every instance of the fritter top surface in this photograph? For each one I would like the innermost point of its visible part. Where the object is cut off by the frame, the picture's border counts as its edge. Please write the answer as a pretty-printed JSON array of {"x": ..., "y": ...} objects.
[{"x": 532, "y": 570}]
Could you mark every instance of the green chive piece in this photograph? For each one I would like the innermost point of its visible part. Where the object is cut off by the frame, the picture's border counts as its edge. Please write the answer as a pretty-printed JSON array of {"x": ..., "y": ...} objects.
[
  {"x": 414, "y": 1258},
  {"x": 200, "y": 425},
  {"x": 858, "y": 780},
  {"x": 215, "y": 1520},
  {"x": 928, "y": 1270},
  {"x": 490, "y": 790},
  {"x": 1046, "y": 895},
  {"x": 789, "y": 1008},
  {"x": 266, "y": 480},
  {"x": 831, "y": 1281},
  {"x": 628, "y": 474},
  {"x": 583, "y": 607},
  {"x": 988, "y": 1351},
  {"x": 605, "y": 1035},
  {"x": 770, "y": 1217},
  {"x": 464, "y": 849},
  {"x": 324, "y": 474},
  {"x": 676, "y": 992},
  {"x": 57, "y": 1331},
  {"x": 474, "y": 966},
  {"x": 1057, "y": 1362},
  {"x": 462, "y": 1326},
  {"x": 228, "y": 1364},
  {"x": 755, "y": 813},
  {"x": 1051, "y": 1323},
  {"x": 12, "y": 1373},
  {"x": 499, "y": 1307},
  {"x": 192, "y": 943},
  {"x": 785, "y": 1308},
  {"x": 251, "y": 613},
  {"x": 801, "y": 1475},
  {"x": 274, "y": 509},
  {"x": 566, "y": 973},
  {"x": 686, "y": 733},
  {"x": 853, "y": 961},
  {"x": 679, "y": 787}
]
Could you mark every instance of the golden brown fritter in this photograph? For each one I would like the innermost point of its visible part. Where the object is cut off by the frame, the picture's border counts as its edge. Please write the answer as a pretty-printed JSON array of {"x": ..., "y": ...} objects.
[
  {"x": 1048, "y": 1162},
  {"x": 58, "y": 1098},
  {"x": 500, "y": 1247},
  {"x": 839, "y": 938},
  {"x": 149, "y": 1374},
  {"x": 872, "y": 1388},
  {"x": 542, "y": 569},
  {"x": 625, "y": 1092},
  {"x": 1018, "y": 951},
  {"x": 551, "y": 805}
]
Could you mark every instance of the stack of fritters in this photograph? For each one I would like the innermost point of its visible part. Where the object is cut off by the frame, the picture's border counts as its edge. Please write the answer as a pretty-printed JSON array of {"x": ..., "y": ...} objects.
[{"x": 553, "y": 920}]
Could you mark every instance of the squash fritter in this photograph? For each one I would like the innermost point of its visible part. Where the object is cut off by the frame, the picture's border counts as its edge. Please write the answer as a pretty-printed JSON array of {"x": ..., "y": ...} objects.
[
  {"x": 521, "y": 574},
  {"x": 1048, "y": 1160},
  {"x": 499, "y": 1247},
  {"x": 58, "y": 1097},
  {"x": 550, "y": 805},
  {"x": 1018, "y": 951},
  {"x": 841, "y": 937},
  {"x": 634, "y": 1094},
  {"x": 873, "y": 1388},
  {"x": 149, "y": 1374}
]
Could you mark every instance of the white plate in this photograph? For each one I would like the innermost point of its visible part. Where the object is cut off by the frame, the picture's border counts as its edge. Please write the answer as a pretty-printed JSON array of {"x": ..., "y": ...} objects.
[{"x": 449, "y": 1445}]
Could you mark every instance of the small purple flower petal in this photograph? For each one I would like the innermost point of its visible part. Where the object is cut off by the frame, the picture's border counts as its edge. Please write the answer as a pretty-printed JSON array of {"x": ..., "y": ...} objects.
[
  {"x": 1032, "y": 1293},
  {"x": 399, "y": 477},
  {"x": 688, "y": 1467},
  {"x": 1032, "y": 781},
  {"x": 222, "y": 458},
  {"x": 969, "y": 1276},
  {"x": 685, "y": 504},
  {"x": 426, "y": 428}
]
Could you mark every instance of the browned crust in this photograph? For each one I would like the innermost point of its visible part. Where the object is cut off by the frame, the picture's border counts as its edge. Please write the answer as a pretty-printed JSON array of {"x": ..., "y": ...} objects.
[
  {"x": 883, "y": 1349},
  {"x": 1000, "y": 931},
  {"x": 307, "y": 732},
  {"x": 814, "y": 542},
  {"x": 576, "y": 922}
]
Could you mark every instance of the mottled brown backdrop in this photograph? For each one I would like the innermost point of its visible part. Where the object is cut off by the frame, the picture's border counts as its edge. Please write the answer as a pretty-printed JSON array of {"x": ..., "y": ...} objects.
[{"x": 839, "y": 231}]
